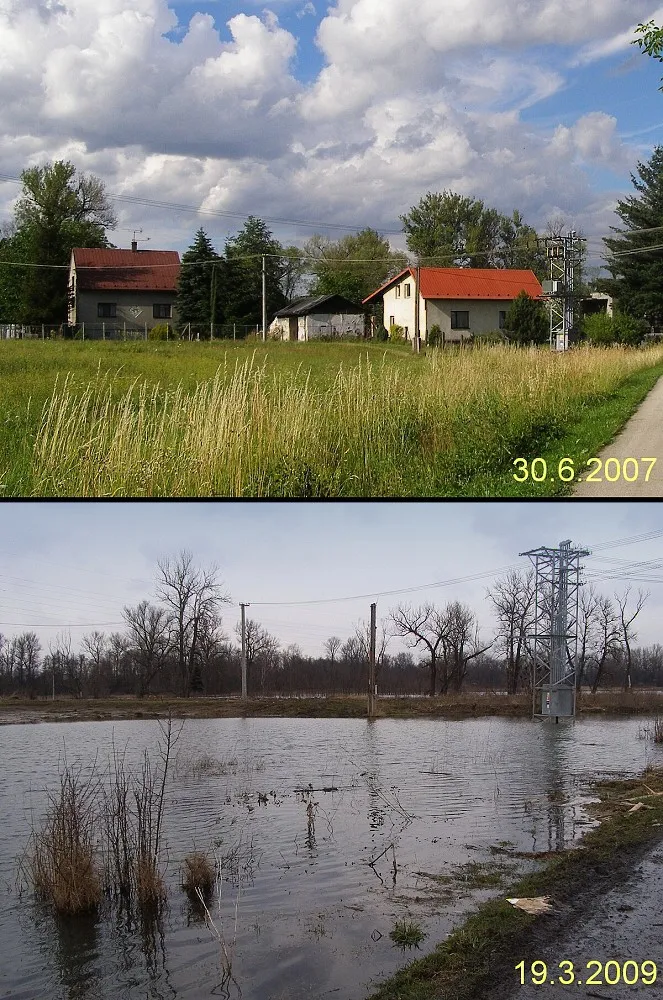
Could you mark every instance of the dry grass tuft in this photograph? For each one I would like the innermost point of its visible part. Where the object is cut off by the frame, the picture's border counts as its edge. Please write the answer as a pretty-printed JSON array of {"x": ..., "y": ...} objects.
[
  {"x": 150, "y": 886},
  {"x": 198, "y": 873},
  {"x": 62, "y": 861},
  {"x": 658, "y": 729}
]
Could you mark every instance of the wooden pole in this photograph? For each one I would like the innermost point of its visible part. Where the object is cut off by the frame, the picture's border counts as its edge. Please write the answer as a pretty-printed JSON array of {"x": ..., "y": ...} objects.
[
  {"x": 264, "y": 297},
  {"x": 244, "y": 687},
  {"x": 417, "y": 333},
  {"x": 371, "y": 665}
]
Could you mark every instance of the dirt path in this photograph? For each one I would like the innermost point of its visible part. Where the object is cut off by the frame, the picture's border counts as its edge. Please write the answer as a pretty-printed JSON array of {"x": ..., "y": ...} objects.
[
  {"x": 623, "y": 925},
  {"x": 642, "y": 437}
]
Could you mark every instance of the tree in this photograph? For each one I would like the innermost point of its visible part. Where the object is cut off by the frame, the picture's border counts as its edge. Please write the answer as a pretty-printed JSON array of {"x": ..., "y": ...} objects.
[
  {"x": 650, "y": 41},
  {"x": 331, "y": 646},
  {"x": 526, "y": 321},
  {"x": 148, "y": 628},
  {"x": 607, "y": 638},
  {"x": 626, "y": 631},
  {"x": 192, "y": 596},
  {"x": 460, "y": 644},
  {"x": 243, "y": 290},
  {"x": 512, "y": 597},
  {"x": 260, "y": 647},
  {"x": 56, "y": 212},
  {"x": 450, "y": 230},
  {"x": 16, "y": 249},
  {"x": 200, "y": 285},
  {"x": 353, "y": 266},
  {"x": 637, "y": 277},
  {"x": 425, "y": 627},
  {"x": 293, "y": 268}
]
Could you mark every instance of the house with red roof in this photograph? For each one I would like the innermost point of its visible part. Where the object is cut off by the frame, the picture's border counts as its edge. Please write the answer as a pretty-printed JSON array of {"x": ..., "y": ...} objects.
[
  {"x": 462, "y": 301},
  {"x": 130, "y": 290}
]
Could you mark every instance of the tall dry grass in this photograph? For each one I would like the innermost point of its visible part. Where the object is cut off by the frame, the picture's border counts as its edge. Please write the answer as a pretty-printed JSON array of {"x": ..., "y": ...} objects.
[
  {"x": 374, "y": 430},
  {"x": 62, "y": 857}
]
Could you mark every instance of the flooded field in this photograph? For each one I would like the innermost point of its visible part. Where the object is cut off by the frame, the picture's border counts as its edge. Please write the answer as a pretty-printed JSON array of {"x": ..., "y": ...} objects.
[{"x": 327, "y": 833}]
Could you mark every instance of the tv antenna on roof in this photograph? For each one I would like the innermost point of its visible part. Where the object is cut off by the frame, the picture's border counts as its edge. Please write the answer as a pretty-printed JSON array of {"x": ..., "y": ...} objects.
[{"x": 135, "y": 241}]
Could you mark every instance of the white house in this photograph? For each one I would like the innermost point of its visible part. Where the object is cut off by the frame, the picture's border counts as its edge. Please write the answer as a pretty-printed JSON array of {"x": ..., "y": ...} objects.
[
  {"x": 321, "y": 316},
  {"x": 462, "y": 301}
]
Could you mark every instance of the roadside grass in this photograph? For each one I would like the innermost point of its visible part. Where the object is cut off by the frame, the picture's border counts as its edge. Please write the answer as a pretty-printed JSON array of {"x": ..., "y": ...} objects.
[
  {"x": 466, "y": 704},
  {"x": 311, "y": 420},
  {"x": 484, "y": 951}
]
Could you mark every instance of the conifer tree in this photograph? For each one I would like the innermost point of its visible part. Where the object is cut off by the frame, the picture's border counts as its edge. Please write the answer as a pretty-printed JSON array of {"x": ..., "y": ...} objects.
[{"x": 200, "y": 286}]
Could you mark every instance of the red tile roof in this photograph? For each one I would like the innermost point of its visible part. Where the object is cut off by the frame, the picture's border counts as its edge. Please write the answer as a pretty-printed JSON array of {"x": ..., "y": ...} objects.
[
  {"x": 132, "y": 270},
  {"x": 468, "y": 283}
]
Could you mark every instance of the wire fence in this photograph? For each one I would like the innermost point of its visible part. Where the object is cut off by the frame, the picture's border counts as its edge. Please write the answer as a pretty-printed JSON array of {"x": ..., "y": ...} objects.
[{"x": 128, "y": 332}]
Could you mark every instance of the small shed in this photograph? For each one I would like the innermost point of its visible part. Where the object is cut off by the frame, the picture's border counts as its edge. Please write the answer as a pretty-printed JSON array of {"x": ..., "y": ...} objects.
[{"x": 320, "y": 316}]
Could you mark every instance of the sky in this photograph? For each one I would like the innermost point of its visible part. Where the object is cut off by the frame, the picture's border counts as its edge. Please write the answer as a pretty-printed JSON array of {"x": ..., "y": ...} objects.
[
  {"x": 339, "y": 114},
  {"x": 74, "y": 566}
]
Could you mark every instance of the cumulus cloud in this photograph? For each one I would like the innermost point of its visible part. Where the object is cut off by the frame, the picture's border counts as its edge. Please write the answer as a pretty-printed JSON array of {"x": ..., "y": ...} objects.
[{"x": 411, "y": 97}]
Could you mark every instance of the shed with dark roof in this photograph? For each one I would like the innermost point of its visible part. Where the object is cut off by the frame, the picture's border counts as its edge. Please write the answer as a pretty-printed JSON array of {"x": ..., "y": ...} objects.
[
  {"x": 318, "y": 316},
  {"x": 128, "y": 290}
]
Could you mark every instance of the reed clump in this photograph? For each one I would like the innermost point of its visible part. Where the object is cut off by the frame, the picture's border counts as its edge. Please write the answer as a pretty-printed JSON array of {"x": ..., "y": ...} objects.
[
  {"x": 198, "y": 873},
  {"x": 62, "y": 858},
  {"x": 375, "y": 429}
]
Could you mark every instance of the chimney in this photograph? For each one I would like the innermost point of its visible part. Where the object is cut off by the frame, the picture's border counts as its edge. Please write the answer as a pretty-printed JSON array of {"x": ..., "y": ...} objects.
[{"x": 134, "y": 245}]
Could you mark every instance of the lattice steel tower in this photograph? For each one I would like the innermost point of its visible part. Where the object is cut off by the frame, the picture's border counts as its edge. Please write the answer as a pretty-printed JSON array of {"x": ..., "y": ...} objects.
[
  {"x": 564, "y": 253},
  {"x": 554, "y": 635}
]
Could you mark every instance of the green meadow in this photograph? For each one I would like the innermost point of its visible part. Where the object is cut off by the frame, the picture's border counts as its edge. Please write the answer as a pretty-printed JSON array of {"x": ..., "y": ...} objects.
[{"x": 303, "y": 420}]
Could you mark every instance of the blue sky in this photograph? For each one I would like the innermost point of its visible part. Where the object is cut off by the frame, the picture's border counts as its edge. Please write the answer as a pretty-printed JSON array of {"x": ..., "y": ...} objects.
[
  {"x": 338, "y": 113},
  {"x": 77, "y": 565}
]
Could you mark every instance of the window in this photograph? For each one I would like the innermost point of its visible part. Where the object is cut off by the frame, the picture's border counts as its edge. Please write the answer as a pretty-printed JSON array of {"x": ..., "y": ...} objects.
[
  {"x": 502, "y": 319},
  {"x": 392, "y": 321},
  {"x": 106, "y": 310},
  {"x": 398, "y": 291},
  {"x": 460, "y": 320},
  {"x": 406, "y": 291},
  {"x": 162, "y": 311}
]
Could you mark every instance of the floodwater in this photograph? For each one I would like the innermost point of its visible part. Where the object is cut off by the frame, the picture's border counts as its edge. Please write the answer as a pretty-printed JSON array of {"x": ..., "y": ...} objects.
[{"x": 301, "y": 910}]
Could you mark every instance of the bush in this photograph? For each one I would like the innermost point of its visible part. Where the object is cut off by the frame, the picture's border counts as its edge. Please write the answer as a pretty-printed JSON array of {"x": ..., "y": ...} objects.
[
  {"x": 526, "y": 321},
  {"x": 162, "y": 331},
  {"x": 435, "y": 337},
  {"x": 629, "y": 330},
  {"x": 489, "y": 337},
  {"x": 381, "y": 334},
  {"x": 599, "y": 328},
  {"x": 396, "y": 332}
]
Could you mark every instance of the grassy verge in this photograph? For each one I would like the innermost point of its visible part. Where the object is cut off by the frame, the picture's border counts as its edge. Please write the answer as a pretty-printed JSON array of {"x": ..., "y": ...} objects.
[
  {"x": 456, "y": 706},
  {"x": 597, "y": 425},
  {"x": 324, "y": 421},
  {"x": 482, "y": 953}
]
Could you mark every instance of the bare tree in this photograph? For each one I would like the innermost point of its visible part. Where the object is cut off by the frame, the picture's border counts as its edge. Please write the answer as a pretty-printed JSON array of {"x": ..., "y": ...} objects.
[
  {"x": 425, "y": 627},
  {"x": 607, "y": 638},
  {"x": 512, "y": 597},
  {"x": 628, "y": 634},
  {"x": 588, "y": 629},
  {"x": 331, "y": 646},
  {"x": 192, "y": 596},
  {"x": 261, "y": 648},
  {"x": 460, "y": 644},
  {"x": 149, "y": 641}
]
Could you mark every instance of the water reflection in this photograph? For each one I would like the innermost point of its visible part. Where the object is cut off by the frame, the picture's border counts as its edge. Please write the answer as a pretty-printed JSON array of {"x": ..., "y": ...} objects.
[{"x": 319, "y": 828}]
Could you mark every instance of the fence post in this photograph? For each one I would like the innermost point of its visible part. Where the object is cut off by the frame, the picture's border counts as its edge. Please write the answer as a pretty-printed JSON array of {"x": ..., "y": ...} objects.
[
  {"x": 83, "y": 325},
  {"x": 146, "y": 331},
  {"x": 211, "y": 329},
  {"x": 103, "y": 331},
  {"x": 167, "y": 330},
  {"x": 43, "y": 335},
  {"x": 124, "y": 330},
  {"x": 234, "y": 325}
]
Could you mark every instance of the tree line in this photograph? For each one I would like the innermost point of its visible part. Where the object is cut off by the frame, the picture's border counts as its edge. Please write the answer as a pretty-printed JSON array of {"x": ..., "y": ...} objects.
[{"x": 176, "y": 644}]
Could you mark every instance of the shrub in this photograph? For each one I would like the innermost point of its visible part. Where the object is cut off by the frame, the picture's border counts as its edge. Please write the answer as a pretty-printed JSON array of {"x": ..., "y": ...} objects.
[
  {"x": 162, "y": 331},
  {"x": 489, "y": 337},
  {"x": 198, "y": 873},
  {"x": 381, "y": 334},
  {"x": 396, "y": 332},
  {"x": 407, "y": 934},
  {"x": 629, "y": 330},
  {"x": 526, "y": 321},
  {"x": 435, "y": 338},
  {"x": 599, "y": 328}
]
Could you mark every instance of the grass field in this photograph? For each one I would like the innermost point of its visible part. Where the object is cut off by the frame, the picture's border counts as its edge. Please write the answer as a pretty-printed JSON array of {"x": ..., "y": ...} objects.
[{"x": 302, "y": 420}]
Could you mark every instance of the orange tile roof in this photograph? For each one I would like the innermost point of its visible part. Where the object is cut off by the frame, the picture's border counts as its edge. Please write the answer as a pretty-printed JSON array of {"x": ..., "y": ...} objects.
[
  {"x": 468, "y": 283},
  {"x": 132, "y": 270}
]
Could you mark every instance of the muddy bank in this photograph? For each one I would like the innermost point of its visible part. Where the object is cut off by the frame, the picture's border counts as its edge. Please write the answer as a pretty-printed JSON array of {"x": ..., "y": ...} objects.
[
  {"x": 457, "y": 706},
  {"x": 605, "y": 897}
]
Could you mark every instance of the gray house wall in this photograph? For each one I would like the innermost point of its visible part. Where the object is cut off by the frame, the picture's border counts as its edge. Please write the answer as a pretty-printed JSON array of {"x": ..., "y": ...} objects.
[
  {"x": 318, "y": 325},
  {"x": 133, "y": 308}
]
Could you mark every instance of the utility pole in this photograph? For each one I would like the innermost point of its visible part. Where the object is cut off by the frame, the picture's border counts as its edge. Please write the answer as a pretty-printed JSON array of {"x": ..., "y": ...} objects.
[
  {"x": 264, "y": 297},
  {"x": 371, "y": 665},
  {"x": 416, "y": 343},
  {"x": 244, "y": 694},
  {"x": 564, "y": 254}
]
